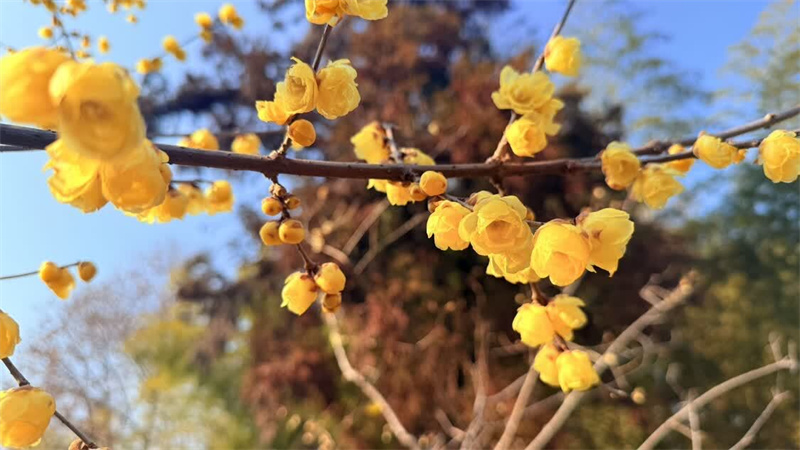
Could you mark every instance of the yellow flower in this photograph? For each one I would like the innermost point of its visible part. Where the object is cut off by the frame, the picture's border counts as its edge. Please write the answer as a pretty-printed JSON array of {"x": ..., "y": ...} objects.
[
  {"x": 58, "y": 279},
  {"x": 780, "y": 155},
  {"x": 86, "y": 271},
  {"x": 433, "y": 183},
  {"x": 338, "y": 91},
  {"x": 443, "y": 226},
  {"x": 609, "y": 231},
  {"x": 681, "y": 165},
  {"x": 639, "y": 396},
  {"x": 229, "y": 16},
  {"x": 98, "y": 113},
  {"x": 197, "y": 202},
  {"x": 656, "y": 185},
  {"x": 76, "y": 179},
  {"x": 370, "y": 144},
  {"x": 496, "y": 225},
  {"x": 302, "y": 133},
  {"x": 146, "y": 66},
  {"x": 203, "y": 20},
  {"x": 269, "y": 233},
  {"x": 533, "y": 325},
  {"x": 397, "y": 193},
  {"x": 130, "y": 18},
  {"x": 330, "y": 278},
  {"x": 320, "y": 12},
  {"x": 545, "y": 364},
  {"x": 378, "y": 185},
  {"x": 565, "y": 315},
  {"x": 219, "y": 197},
  {"x": 25, "y": 413},
  {"x": 246, "y": 144},
  {"x": 291, "y": 231},
  {"x": 25, "y": 76},
  {"x": 171, "y": 46},
  {"x": 620, "y": 165},
  {"x": 715, "y": 153},
  {"x": 9, "y": 335},
  {"x": 271, "y": 206},
  {"x": 204, "y": 139},
  {"x": 139, "y": 181},
  {"x": 560, "y": 251},
  {"x": 563, "y": 55},
  {"x": 524, "y": 93},
  {"x": 272, "y": 112},
  {"x": 366, "y": 9},
  {"x": 299, "y": 292},
  {"x": 514, "y": 267},
  {"x": 103, "y": 46},
  {"x": 174, "y": 206},
  {"x": 575, "y": 371},
  {"x": 528, "y": 135},
  {"x": 297, "y": 93},
  {"x": 46, "y": 33}
]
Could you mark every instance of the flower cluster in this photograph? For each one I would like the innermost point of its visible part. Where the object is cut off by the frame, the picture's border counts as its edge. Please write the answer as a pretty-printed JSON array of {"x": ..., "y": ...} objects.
[
  {"x": 653, "y": 185},
  {"x": 301, "y": 289},
  {"x": 102, "y": 154},
  {"x": 332, "y": 91},
  {"x": 61, "y": 281},
  {"x": 330, "y": 12},
  {"x": 285, "y": 230},
  {"x": 570, "y": 369}
]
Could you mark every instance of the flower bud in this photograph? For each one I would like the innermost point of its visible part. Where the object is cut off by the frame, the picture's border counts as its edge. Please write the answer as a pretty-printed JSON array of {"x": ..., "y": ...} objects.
[
  {"x": 331, "y": 302},
  {"x": 271, "y": 206},
  {"x": 575, "y": 371},
  {"x": 49, "y": 271},
  {"x": 433, "y": 183},
  {"x": 533, "y": 325},
  {"x": 292, "y": 202},
  {"x": 302, "y": 133},
  {"x": 86, "y": 271},
  {"x": 330, "y": 278},
  {"x": 416, "y": 193},
  {"x": 638, "y": 396},
  {"x": 291, "y": 232},
  {"x": 269, "y": 233}
]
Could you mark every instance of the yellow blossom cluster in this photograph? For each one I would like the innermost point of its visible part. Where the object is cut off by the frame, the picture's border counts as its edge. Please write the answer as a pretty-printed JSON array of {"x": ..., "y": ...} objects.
[
  {"x": 173, "y": 47},
  {"x": 531, "y": 96},
  {"x": 206, "y": 23},
  {"x": 286, "y": 230},
  {"x": 332, "y": 91},
  {"x": 146, "y": 66},
  {"x": 570, "y": 370},
  {"x": 302, "y": 289},
  {"x": 25, "y": 414},
  {"x": 102, "y": 154},
  {"x": 330, "y": 12},
  {"x": 654, "y": 185},
  {"x": 60, "y": 280},
  {"x": 127, "y": 5},
  {"x": 229, "y": 16}
]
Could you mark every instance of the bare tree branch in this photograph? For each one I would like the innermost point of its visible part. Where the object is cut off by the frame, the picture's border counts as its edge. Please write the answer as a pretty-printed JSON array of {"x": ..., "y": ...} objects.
[
  {"x": 356, "y": 377},
  {"x": 694, "y": 423},
  {"x": 762, "y": 419},
  {"x": 519, "y": 408}
]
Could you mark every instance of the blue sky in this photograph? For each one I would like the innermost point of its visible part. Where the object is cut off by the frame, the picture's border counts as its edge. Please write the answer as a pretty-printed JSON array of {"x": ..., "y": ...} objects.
[{"x": 34, "y": 227}]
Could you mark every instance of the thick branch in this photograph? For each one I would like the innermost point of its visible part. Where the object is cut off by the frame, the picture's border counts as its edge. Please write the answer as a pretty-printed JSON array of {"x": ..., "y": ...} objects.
[
  {"x": 21, "y": 138},
  {"x": 356, "y": 377},
  {"x": 718, "y": 390}
]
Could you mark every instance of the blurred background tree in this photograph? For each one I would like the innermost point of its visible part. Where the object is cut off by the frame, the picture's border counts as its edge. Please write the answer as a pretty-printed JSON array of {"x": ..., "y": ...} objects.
[{"x": 216, "y": 363}]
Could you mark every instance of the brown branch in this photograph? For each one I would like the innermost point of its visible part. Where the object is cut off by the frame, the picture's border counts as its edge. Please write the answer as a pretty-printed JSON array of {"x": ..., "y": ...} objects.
[
  {"x": 22, "y": 381},
  {"x": 31, "y": 138},
  {"x": 573, "y": 399},
  {"x": 356, "y": 377},
  {"x": 718, "y": 390},
  {"x": 395, "y": 235},
  {"x": 765, "y": 122},
  {"x": 694, "y": 424},
  {"x": 35, "y": 272}
]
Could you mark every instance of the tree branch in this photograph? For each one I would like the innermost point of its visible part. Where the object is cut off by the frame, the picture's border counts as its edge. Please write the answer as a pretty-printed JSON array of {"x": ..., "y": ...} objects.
[
  {"x": 519, "y": 408},
  {"x": 356, "y": 377},
  {"x": 786, "y": 363},
  {"x": 35, "y": 272},
  {"x": 762, "y": 419}
]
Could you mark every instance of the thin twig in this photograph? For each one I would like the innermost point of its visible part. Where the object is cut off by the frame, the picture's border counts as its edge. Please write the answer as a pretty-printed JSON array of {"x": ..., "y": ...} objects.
[
  {"x": 713, "y": 393},
  {"x": 22, "y": 381},
  {"x": 518, "y": 410},
  {"x": 762, "y": 419},
  {"x": 395, "y": 235},
  {"x": 356, "y": 377},
  {"x": 374, "y": 215},
  {"x": 694, "y": 423},
  {"x": 35, "y": 272}
]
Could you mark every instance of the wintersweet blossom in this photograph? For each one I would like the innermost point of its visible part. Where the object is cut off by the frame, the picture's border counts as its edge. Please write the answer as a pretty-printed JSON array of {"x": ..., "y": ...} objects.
[
  {"x": 575, "y": 371},
  {"x": 302, "y": 133},
  {"x": 433, "y": 183},
  {"x": 656, "y": 185},
  {"x": 25, "y": 414},
  {"x": 681, "y": 165},
  {"x": 560, "y": 252},
  {"x": 545, "y": 364},
  {"x": 58, "y": 279},
  {"x": 608, "y": 231},
  {"x": 619, "y": 165},
  {"x": 524, "y": 93},
  {"x": 565, "y": 314},
  {"x": 330, "y": 278},
  {"x": 219, "y": 197},
  {"x": 337, "y": 89},
  {"x": 246, "y": 144},
  {"x": 25, "y": 76},
  {"x": 369, "y": 144},
  {"x": 563, "y": 55},
  {"x": 9, "y": 335},
  {"x": 297, "y": 93},
  {"x": 717, "y": 154},
  {"x": 779, "y": 153},
  {"x": 86, "y": 271},
  {"x": 443, "y": 226},
  {"x": 299, "y": 292},
  {"x": 496, "y": 225}
]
